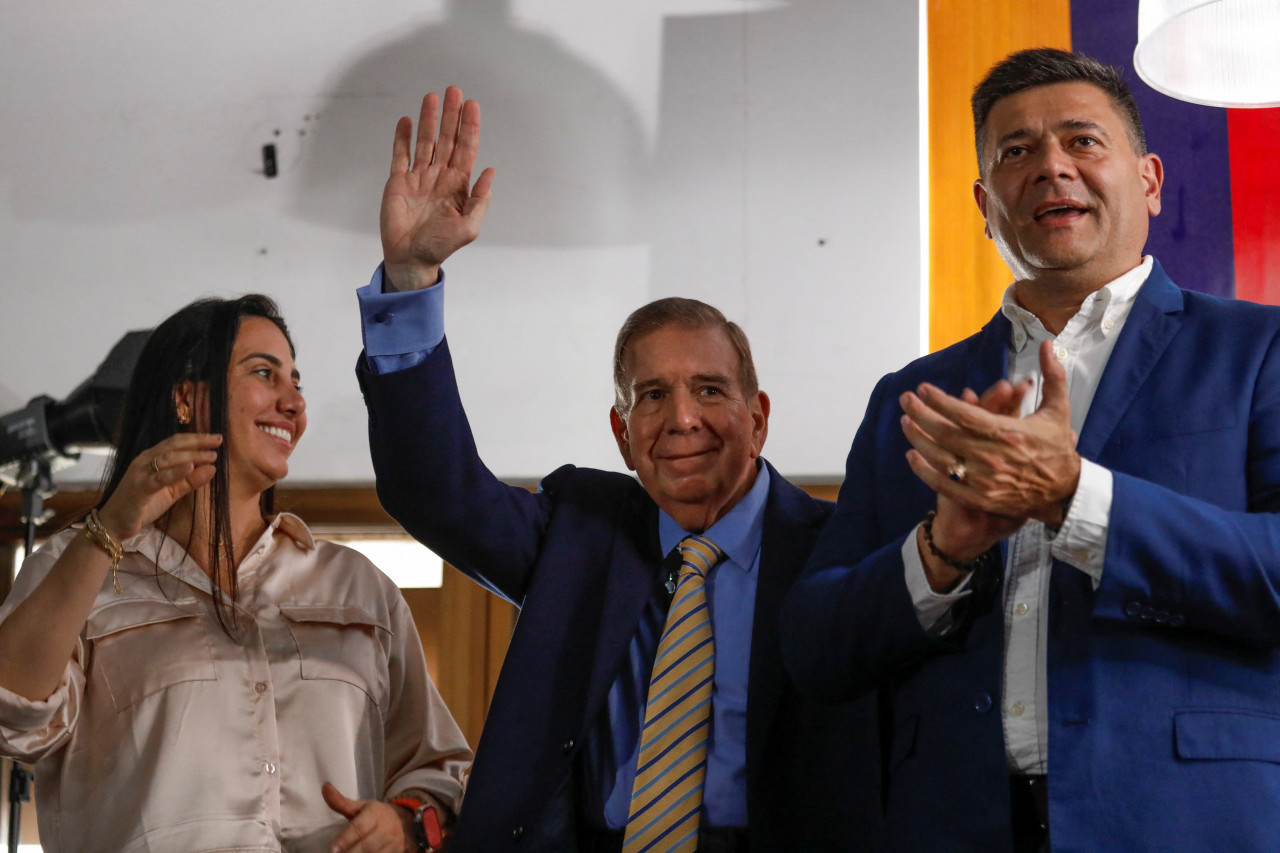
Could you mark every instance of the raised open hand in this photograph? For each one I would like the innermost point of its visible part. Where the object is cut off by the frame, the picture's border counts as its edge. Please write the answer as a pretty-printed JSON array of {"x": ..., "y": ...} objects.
[{"x": 429, "y": 207}]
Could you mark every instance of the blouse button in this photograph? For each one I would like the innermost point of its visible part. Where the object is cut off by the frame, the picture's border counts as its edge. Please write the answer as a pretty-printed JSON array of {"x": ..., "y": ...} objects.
[{"x": 260, "y": 687}]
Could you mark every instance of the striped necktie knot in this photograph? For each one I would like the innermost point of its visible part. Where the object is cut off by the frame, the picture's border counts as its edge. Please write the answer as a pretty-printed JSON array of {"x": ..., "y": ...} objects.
[
  {"x": 699, "y": 554},
  {"x": 666, "y": 798}
]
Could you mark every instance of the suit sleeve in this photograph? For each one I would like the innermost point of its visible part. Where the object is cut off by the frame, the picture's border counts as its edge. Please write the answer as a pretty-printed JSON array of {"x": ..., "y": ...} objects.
[
  {"x": 1207, "y": 557},
  {"x": 431, "y": 480},
  {"x": 849, "y": 622}
]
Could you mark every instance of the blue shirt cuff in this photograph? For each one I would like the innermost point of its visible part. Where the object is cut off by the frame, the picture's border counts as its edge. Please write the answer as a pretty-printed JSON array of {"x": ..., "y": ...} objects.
[{"x": 400, "y": 329}]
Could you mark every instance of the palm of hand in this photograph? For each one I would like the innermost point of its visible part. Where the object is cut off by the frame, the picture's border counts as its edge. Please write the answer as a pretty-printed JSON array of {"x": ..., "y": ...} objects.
[
  {"x": 426, "y": 215},
  {"x": 429, "y": 209}
]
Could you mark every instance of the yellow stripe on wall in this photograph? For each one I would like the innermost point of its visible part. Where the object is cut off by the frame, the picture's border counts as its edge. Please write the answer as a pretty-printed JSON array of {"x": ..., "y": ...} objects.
[{"x": 967, "y": 37}]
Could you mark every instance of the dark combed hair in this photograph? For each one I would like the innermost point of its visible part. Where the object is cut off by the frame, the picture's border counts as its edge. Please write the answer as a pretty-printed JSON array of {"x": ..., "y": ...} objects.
[
  {"x": 1044, "y": 66},
  {"x": 193, "y": 345},
  {"x": 690, "y": 314}
]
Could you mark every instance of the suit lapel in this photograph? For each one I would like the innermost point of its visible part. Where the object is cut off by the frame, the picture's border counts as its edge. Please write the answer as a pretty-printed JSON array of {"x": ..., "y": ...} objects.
[
  {"x": 632, "y": 574},
  {"x": 988, "y": 361},
  {"x": 1152, "y": 323},
  {"x": 792, "y": 522}
]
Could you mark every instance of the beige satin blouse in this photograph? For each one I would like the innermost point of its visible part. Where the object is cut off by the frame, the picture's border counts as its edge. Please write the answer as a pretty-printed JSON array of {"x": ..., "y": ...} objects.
[{"x": 167, "y": 735}]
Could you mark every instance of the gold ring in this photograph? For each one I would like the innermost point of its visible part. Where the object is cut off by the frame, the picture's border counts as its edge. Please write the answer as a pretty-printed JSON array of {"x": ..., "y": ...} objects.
[
  {"x": 956, "y": 470},
  {"x": 154, "y": 465}
]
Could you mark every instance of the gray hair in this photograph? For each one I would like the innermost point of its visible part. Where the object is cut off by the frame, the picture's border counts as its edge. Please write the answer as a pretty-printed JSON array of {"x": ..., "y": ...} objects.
[{"x": 689, "y": 314}]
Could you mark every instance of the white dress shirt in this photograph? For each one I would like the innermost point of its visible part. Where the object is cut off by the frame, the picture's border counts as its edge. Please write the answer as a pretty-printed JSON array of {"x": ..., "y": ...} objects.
[{"x": 1083, "y": 347}]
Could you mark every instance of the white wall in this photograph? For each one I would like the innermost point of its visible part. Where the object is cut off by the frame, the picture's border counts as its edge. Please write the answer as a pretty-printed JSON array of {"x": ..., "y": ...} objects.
[{"x": 762, "y": 156}]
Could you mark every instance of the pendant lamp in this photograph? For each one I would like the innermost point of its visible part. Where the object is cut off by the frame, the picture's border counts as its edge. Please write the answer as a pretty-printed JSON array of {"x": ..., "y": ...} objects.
[{"x": 1223, "y": 53}]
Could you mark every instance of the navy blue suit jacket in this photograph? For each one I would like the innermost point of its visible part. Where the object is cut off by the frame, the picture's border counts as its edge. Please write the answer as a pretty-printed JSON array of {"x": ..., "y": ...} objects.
[
  {"x": 581, "y": 560},
  {"x": 1164, "y": 683}
]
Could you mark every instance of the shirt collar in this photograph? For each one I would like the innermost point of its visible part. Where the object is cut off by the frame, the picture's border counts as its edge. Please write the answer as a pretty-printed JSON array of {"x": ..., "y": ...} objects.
[
  {"x": 1105, "y": 307},
  {"x": 171, "y": 556},
  {"x": 738, "y": 533},
  {"x": 293, "y": 527},
  {"x": 287, "y": 523}
]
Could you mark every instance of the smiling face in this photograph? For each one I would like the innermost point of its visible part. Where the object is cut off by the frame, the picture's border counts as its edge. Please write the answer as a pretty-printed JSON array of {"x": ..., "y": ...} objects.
[
  {"x": 692, "y": 435},
  {"x": 1064, "y": 196},
  {"x": 266, "y": 414}
]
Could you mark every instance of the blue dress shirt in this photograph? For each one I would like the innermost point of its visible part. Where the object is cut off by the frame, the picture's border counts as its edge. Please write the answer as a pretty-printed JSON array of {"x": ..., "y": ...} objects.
[{"x": 402, "y": 329}]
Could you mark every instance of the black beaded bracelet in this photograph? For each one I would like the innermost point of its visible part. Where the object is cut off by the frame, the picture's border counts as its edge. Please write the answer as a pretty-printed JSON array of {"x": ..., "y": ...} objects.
[{"x": 958, "y": 565}]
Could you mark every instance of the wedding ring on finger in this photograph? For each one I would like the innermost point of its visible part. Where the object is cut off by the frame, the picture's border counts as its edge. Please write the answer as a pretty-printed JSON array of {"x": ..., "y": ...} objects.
[
  {"x": 154, "y": 465},
  {"x": 956, "y": 470}
]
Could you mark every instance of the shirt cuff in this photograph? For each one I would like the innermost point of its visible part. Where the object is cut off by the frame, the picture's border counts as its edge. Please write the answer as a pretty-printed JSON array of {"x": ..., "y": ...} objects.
[
  {"x": 933, "y": 609},
  {"x": 1082, "y": 540},
  {"x": 20, "y": 714},
  {"x": 400, "y": 329},
  {"x": 29, "y": 729}
]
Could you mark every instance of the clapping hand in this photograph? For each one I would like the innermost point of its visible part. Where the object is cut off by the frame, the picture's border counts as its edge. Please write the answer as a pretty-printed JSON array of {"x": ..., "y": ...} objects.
[{"x": 991, "y": 468}]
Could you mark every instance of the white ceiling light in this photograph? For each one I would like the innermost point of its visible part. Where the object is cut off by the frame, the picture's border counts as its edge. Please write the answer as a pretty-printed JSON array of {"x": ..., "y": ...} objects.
[{"x": 1222, "y": 53}]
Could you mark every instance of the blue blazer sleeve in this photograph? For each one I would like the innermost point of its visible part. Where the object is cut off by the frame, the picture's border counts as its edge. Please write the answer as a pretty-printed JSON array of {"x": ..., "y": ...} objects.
[
  {"x": 1194, "y": 538},
  {"x": 431, "y": 480}
]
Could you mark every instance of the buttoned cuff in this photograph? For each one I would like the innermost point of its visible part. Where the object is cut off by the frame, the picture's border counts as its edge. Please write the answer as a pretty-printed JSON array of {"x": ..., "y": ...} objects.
[
  {"x": 1082, "y": 540},
  {"x": 400, "y": 329},
  {"x": 933, "y": 609}
]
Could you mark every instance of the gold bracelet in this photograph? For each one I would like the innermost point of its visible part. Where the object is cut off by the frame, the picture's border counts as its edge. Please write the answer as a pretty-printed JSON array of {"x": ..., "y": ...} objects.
[{"x": 98, "y": 535}]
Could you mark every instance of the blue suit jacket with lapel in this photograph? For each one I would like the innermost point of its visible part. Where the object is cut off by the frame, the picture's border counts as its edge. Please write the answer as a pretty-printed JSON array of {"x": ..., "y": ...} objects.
[
  {"x": 581, "y": 559},
  {"x": 1164, "y": 683}
]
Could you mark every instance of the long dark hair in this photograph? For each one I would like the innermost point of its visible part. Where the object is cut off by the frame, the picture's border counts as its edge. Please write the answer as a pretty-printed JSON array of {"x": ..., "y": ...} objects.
[{"x": 193, "y": 345}]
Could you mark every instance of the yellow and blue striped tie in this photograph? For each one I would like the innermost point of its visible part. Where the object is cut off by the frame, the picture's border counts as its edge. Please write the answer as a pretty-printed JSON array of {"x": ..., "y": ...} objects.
[{"x": 667, "y": 795}]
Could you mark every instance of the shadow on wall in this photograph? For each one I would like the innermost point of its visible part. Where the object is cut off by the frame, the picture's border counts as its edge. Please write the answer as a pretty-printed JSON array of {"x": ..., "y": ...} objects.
[{"x": 568, "y": 147}]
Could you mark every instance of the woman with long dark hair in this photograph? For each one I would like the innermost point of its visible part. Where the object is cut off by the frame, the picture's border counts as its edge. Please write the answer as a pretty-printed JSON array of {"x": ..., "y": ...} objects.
[{"x": 192, "y": 673}]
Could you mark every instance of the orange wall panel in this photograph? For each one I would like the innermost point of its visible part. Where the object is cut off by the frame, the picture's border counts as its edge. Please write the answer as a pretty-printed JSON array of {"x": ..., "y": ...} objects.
[{"x": 966, "y": 37}]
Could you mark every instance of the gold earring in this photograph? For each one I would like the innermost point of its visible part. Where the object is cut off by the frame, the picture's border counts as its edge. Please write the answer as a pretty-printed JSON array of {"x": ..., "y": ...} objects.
[{"x": 184, "y": 418}]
